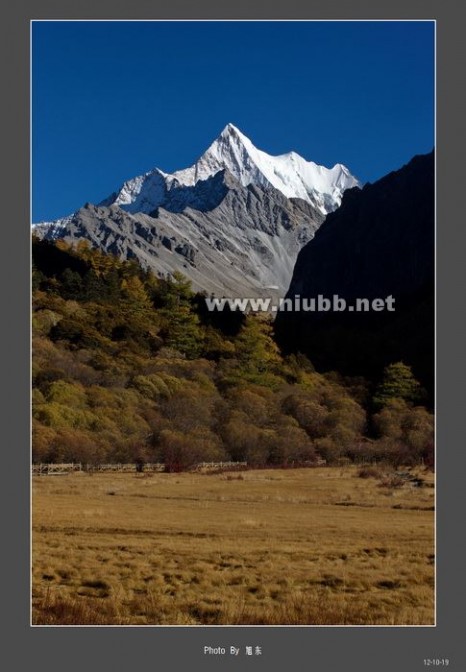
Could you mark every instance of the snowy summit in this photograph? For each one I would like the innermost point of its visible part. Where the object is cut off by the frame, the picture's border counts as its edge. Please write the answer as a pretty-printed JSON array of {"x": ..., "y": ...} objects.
[{"x": 289, "y": 173}]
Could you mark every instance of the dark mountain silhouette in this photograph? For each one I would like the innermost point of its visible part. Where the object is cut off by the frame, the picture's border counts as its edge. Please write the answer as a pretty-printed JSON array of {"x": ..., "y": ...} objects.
[{"x": 380, "y": 242}]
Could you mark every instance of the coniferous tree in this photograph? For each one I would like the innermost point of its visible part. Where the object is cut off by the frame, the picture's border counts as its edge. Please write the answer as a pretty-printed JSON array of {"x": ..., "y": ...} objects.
[
  {"x": 398, "y": 383},
  {"x": 72, "y": 284},
  {"x": 181, "y": 326},
  {"x": 257, "y": 353}
]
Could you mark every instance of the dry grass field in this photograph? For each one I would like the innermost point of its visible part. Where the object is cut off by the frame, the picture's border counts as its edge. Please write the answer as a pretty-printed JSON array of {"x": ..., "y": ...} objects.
[{"x": 307, "y": 546}]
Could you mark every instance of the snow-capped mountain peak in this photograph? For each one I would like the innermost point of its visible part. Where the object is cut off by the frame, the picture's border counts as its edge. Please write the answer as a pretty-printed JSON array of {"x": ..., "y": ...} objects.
[
  {"x": 232, "y": 151},
  {"x": 290, "y": 173},
  {"x": 233, "y": 222}
]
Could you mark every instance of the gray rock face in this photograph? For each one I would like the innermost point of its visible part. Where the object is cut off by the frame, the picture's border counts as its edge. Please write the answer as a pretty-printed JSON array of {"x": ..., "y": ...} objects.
[{"x": 228, "y": 239}]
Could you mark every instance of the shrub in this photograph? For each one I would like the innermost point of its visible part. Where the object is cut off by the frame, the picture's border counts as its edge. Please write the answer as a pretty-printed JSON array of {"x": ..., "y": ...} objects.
[
  {"x": 369, "y": 472},
  {"x": 182, "y": 450},
  {"x": 42, "y": 441},
  {"x": 405, "y": 433}
]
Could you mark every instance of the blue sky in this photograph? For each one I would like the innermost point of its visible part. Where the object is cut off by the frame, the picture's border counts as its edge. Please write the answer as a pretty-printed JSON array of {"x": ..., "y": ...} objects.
[{"x": 112, "y": 100}]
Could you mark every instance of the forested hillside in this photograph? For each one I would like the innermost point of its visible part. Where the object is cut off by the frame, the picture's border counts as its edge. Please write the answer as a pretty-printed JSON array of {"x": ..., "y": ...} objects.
[{"x": 128, "y": 367}]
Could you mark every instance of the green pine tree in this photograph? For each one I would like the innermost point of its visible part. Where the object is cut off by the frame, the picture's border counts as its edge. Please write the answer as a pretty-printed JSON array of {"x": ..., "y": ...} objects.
[
  {"x": 258, "y": 356},
  {"x": 398, "y": 383},
  {"x": 181, "y": 330}
]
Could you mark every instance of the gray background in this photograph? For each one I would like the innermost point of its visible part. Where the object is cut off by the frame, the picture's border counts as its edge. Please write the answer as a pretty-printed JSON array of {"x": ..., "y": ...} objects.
[{"x": 296, "y": 649}]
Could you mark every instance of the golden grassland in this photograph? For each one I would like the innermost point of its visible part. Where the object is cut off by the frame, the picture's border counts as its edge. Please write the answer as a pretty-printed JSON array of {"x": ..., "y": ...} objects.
[{"x": 277, "y": 547}]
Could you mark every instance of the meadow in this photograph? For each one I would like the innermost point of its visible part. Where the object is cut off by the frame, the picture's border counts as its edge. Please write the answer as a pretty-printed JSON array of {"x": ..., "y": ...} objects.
[{"x": 317, "y": 546}]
